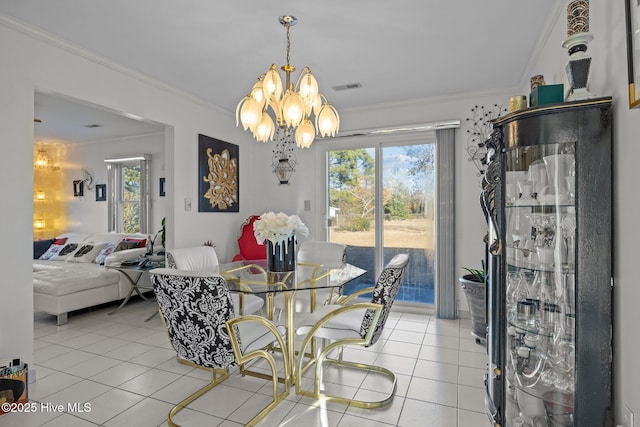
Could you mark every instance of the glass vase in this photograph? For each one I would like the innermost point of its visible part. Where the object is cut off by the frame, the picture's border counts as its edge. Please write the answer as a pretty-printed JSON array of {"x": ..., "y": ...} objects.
[{"x": 281, "y": 256}]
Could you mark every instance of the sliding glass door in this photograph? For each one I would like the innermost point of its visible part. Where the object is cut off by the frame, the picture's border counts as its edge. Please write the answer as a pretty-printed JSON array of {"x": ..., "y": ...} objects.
[{"x": 381, "y": 203}]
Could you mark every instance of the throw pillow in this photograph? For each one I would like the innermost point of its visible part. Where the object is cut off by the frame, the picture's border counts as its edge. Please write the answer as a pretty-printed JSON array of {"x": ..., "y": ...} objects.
[
  {"x": 40, "y": 247},
  {"x": 68, "y": 250},
  {"x": 87, "y": 252},
  {"x": 104, "y": 253},
  {"x": 124, "y": 245},
  {"x": 60, "y": 241},
  {"x": 141, "y": 243},
  {"x": 53, "y": 250}
]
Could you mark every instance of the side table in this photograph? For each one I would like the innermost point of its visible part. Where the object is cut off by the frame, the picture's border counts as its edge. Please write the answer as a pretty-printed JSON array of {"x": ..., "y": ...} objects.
[{"x": 134, "y": 273}]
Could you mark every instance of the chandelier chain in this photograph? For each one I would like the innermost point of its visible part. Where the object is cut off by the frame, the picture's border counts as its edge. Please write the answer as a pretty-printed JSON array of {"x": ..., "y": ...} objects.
[{"x": 288, "y": 43}]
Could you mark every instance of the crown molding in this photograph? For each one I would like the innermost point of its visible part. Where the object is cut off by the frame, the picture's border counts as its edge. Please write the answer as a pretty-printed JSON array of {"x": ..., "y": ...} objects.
[
  {"x": 59, "y": 43},
  {"x": 543, "y": 39}
]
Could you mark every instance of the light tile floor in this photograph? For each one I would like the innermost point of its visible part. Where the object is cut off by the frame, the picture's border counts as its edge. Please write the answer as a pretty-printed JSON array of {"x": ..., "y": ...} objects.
[{"x": 127, "y": 373}]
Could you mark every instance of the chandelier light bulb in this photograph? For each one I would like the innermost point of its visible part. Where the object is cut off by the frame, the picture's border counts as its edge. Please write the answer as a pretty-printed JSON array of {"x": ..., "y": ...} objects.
[
  {"x": 293, "y": 108},
  {"x": 265, "y": 129},
  {"x": 305, "y": 134},
  {"x": 272, "y": 85},
  {"x": 308, "y": 87},
  {"x": 248, "y": 111},
  {"x": 258, "y": 94},
  {"x": 327, "y": 121}
]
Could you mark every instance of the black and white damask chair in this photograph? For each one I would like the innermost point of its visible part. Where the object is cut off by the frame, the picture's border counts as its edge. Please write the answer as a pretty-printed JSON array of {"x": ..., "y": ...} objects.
[
  {"x": 197, "y": 310},
  {"x": 350, "y": 323},
  {"x": 204, "y": 258}
]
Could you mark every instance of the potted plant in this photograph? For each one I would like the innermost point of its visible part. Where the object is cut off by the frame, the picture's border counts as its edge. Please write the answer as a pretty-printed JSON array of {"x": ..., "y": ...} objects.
[{"x": 474, "y": 286}]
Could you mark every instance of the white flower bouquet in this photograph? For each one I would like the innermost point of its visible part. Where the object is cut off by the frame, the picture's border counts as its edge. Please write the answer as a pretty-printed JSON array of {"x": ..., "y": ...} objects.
[{"x": 278, "y": 227}]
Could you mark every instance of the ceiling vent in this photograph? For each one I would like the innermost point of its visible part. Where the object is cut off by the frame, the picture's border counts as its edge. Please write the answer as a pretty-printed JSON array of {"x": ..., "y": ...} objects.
[{"x": 347, "y": 86}]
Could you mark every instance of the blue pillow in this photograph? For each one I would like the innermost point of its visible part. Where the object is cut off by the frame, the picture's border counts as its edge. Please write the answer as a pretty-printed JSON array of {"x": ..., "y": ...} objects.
[{"x": 40, "y": 247}]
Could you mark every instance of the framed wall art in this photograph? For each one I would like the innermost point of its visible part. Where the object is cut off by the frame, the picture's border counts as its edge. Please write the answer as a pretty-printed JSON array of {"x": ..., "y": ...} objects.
[
  {"x": 101, "y": 192},
  {"x": 78, "y": 188},
  {"x": 632, "y": 12},
  {"x": 218, "y": 175},
  {"x": 162, "y": 187}
]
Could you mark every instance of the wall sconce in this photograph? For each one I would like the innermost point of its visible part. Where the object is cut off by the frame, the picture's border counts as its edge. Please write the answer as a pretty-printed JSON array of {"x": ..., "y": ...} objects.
[
  {"x": 39, "y": 224},
  {"x": 283, "y": 160},
  {"x": 40, "y": 195}
]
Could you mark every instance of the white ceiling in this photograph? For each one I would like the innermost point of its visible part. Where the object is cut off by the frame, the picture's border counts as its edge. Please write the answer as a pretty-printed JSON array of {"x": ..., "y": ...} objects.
[
  {"x": 68, "y": 120},
  {"x": 397, "y": 50}
]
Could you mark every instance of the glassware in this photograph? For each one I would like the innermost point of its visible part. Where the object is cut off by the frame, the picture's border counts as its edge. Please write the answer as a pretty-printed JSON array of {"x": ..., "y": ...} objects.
[
  {"x": 571, "y": 182},
  {"x": 544, "y": 286},
  {"x": 513, "y": 293},
  {"x": 526, "y": 194},
  {"x": 558, "y": 166},
  {"x": 568, "y": 227}
]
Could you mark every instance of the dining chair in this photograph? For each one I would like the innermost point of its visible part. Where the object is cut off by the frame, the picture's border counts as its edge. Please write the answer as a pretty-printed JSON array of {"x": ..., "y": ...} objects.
[
  {"x": 197, "y": 311},
  {"x": 354, "y": 323},
  {"x": 204, "y": 258},
  {"x": 248, "y": 246},
  {"x": 318, "y": 256}
]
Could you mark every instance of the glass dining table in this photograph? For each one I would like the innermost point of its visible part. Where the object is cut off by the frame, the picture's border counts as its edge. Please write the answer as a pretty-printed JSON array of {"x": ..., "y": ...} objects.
[{"x": 254, "y": 278}]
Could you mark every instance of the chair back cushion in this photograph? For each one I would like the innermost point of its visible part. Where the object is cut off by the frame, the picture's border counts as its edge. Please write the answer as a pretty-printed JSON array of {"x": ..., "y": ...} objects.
[
  {"x": 198, "y": 258},
  {"x": 331, "y": 255},
  {"x": 195, "y": 308},
  {"x": 249, "y": 248},
  {"x": 385, "y": 292}
]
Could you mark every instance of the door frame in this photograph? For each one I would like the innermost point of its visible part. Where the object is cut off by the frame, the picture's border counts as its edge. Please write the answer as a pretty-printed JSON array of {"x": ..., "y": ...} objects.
[{"x": 377, "y": 142}]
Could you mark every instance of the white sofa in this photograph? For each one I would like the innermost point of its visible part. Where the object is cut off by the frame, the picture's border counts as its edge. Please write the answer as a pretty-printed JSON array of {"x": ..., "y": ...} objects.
[{"x": 62, "y": 286}]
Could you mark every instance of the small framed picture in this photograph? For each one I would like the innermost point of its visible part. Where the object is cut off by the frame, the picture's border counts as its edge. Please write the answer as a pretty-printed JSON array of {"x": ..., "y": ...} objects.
[
  {"x": 101, "y": 192},
  {"x": 162, "y": 188},
  {"x": 78, "y": 188}
]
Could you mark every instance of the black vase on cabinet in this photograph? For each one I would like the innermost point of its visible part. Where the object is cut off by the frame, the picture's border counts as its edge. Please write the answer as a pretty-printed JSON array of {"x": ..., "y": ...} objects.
[{"x": 547, "y": 196}]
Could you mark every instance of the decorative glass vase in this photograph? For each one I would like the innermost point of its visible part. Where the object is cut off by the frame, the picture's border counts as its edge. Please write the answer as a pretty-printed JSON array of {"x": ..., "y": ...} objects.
[{"x": 281, "y": 256}]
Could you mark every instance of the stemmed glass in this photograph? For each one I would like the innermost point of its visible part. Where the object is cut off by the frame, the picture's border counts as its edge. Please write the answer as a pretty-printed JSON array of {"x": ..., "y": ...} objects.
[{"x": 568, "y": 227}]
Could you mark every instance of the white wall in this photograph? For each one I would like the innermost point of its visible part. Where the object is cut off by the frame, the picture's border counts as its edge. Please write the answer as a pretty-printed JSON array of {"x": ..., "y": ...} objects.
[
  {"x": 85, "y": 213},
  {"x": 609, "y": 78},
  {"x": 80, "y": 75},
  {"x": 305, "y": 182}
]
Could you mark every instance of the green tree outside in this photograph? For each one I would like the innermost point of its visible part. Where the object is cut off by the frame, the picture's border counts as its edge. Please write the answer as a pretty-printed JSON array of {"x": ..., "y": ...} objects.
[{"x": 131, "y": 199}]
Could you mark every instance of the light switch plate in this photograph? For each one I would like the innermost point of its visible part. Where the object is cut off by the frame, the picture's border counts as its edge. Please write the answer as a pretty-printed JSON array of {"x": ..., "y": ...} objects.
[
  {"x": 187, "y": 204},
  {"x": 307, "y": 205}
]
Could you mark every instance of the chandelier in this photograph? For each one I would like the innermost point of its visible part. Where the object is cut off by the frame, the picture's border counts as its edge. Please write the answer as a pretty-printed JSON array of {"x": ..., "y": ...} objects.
[
  {"x": 291, "y": 105},
  {"x": 42, "y": 159}
]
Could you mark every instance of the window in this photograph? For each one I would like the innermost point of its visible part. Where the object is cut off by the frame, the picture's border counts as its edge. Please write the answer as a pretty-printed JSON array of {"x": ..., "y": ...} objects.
[
  {"x": 128, "y": 194},
  {"x": 389, "y": 194}
]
